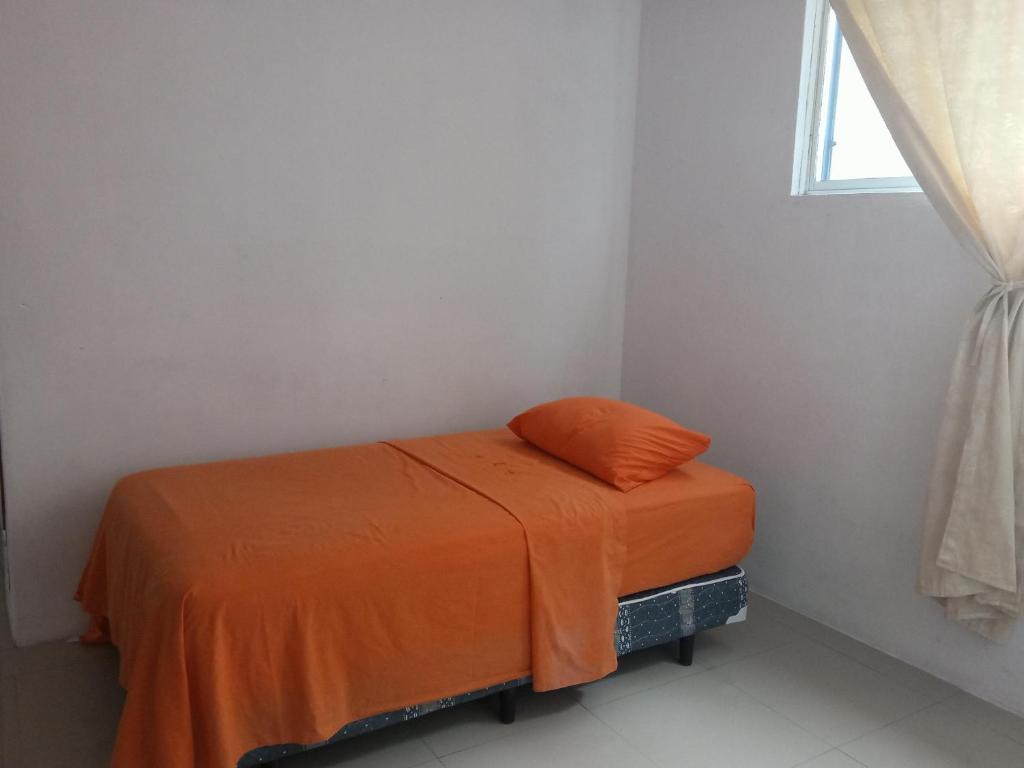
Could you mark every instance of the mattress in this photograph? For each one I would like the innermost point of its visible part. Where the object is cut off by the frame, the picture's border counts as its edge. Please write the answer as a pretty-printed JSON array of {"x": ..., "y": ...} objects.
[
  {"x": 697, "y": 519},
  {"x": 645, "y": 619}
]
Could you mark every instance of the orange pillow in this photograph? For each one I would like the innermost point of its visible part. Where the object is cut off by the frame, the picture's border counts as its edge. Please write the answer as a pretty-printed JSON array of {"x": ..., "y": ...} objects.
[{"x": 620, "y": 443}]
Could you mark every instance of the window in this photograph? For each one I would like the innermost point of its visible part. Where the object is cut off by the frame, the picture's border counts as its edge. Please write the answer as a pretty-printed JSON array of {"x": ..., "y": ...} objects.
[{"x": 842, "y": 143}]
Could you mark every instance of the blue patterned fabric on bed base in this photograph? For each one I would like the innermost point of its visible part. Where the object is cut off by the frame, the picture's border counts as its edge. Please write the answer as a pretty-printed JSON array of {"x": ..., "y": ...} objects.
[
  {"x": 645, "y": 619},
  {"x": 662, "y": 615}
]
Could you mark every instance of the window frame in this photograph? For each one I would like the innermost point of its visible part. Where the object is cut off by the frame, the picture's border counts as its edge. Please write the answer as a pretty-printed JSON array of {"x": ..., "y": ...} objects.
[{"x": 808, "y": 127}]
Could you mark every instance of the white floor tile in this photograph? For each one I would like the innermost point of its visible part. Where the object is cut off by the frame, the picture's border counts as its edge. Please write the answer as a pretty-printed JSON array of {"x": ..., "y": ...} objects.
[
  {"x": 570, "y": 739},
  {"x": 394, "y": 747},
  {"x": 937, "y": 737},
  {"x": 992, "y": 716},
  {"x": 762, "y": 606},
  {"x": 704, "y": 722},
  {"x": 68, "y": 716},
  {"x": 912, "y": 677},
  {"x": 833, "y": 759},
  {"x": 637, "y": 672},
  {"x": 785, "y": 691},
  {"x": 10, "y": 748},
  {"x": 829, "y": 694},
  {"x": 18, "y": 661},
  {"x": 476, "y": 722},
  {"x": 732, "y": 642}
]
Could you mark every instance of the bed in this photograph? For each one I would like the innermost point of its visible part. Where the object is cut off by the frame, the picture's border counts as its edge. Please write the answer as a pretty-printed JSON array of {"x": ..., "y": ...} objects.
[
  {"x": 270, "y": 605},
  {"x": 653, "y": 617}
]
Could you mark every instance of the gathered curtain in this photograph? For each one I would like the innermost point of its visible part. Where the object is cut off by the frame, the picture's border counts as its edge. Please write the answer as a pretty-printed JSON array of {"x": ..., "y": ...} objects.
[{"x": 948, "y": 79}]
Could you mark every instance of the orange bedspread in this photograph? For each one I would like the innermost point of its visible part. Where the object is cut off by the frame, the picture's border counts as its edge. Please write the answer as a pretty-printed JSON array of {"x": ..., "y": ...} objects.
[{"x": 273, "y": 600}]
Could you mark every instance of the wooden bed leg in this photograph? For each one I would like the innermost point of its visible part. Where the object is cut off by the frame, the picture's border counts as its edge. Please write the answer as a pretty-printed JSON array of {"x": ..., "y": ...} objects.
[
  {"x": 507, "y": 705},
  {"x": 686, "y": 650}
]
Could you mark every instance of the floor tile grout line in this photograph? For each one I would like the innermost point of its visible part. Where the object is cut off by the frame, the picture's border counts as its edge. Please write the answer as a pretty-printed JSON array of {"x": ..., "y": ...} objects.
[
  {"x": 816, "y": 737},
  {"x": 983, "y": 722},
  {"x": 896, "y": 680},
  {"x": 811, "y": 759},
  {"x": 822, "y": 738},
  {"x": 707, "y": 670},
  {"x": 699, "y": 670},
  {"x": 755, "y": 654},
  {"x": 1011, "y": 737},
  {"x": 793, "y": 627},
  {"x": 504, "y": 735},
  {"x": 847, "y": 754},
  {"x": 442, "y": 755},
  {"x": 856, "y": 640},
  {"x": 430, "y": 749},
  {"x": 427, "y": 743},
  {"x": 858, "y": 762},
  {"x": 540, "y": 720},
  {"x": 703, "y": 669},
  {"x": 841, "y": 751},
  {"x": 897, "y": 721},
  {"x": 934, "y": 705},
  {"x": 890, "y": 680},
  {"x": 784, "y": 716},
  {"x": 680, "y": 678},
  {"x": 625, "y": 738}
]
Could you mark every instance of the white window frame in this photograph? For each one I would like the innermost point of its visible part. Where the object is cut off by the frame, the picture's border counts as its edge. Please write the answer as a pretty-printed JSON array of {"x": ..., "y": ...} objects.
[{"x": 812, "y": 88}]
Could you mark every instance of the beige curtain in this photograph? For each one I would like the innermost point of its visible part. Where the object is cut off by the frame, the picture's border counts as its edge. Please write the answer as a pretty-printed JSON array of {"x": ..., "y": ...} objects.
[{"x": 948, "y": 78}]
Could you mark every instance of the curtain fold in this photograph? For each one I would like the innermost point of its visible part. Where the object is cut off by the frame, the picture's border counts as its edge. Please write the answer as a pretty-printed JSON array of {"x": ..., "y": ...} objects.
[{"x": 948, "y": 79}]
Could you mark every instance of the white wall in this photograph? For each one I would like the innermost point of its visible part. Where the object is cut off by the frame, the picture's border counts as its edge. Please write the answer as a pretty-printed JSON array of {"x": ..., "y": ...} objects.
[
  {"x": 812, "y": 337},
  {"x": 235, "y": 228},
  {"x": 230, "y": 228}
]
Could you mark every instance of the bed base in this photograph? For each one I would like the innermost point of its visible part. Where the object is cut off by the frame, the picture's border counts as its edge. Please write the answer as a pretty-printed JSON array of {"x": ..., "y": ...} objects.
[{"x": 669, "y": 614}]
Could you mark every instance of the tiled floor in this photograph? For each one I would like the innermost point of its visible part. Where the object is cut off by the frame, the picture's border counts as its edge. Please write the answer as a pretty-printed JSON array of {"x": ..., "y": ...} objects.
[{"x": 776, "y": 691}]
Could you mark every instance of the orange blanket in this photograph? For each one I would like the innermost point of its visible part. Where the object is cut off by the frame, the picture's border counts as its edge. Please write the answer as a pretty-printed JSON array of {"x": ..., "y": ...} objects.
[{"x": 273, "y": 600}]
